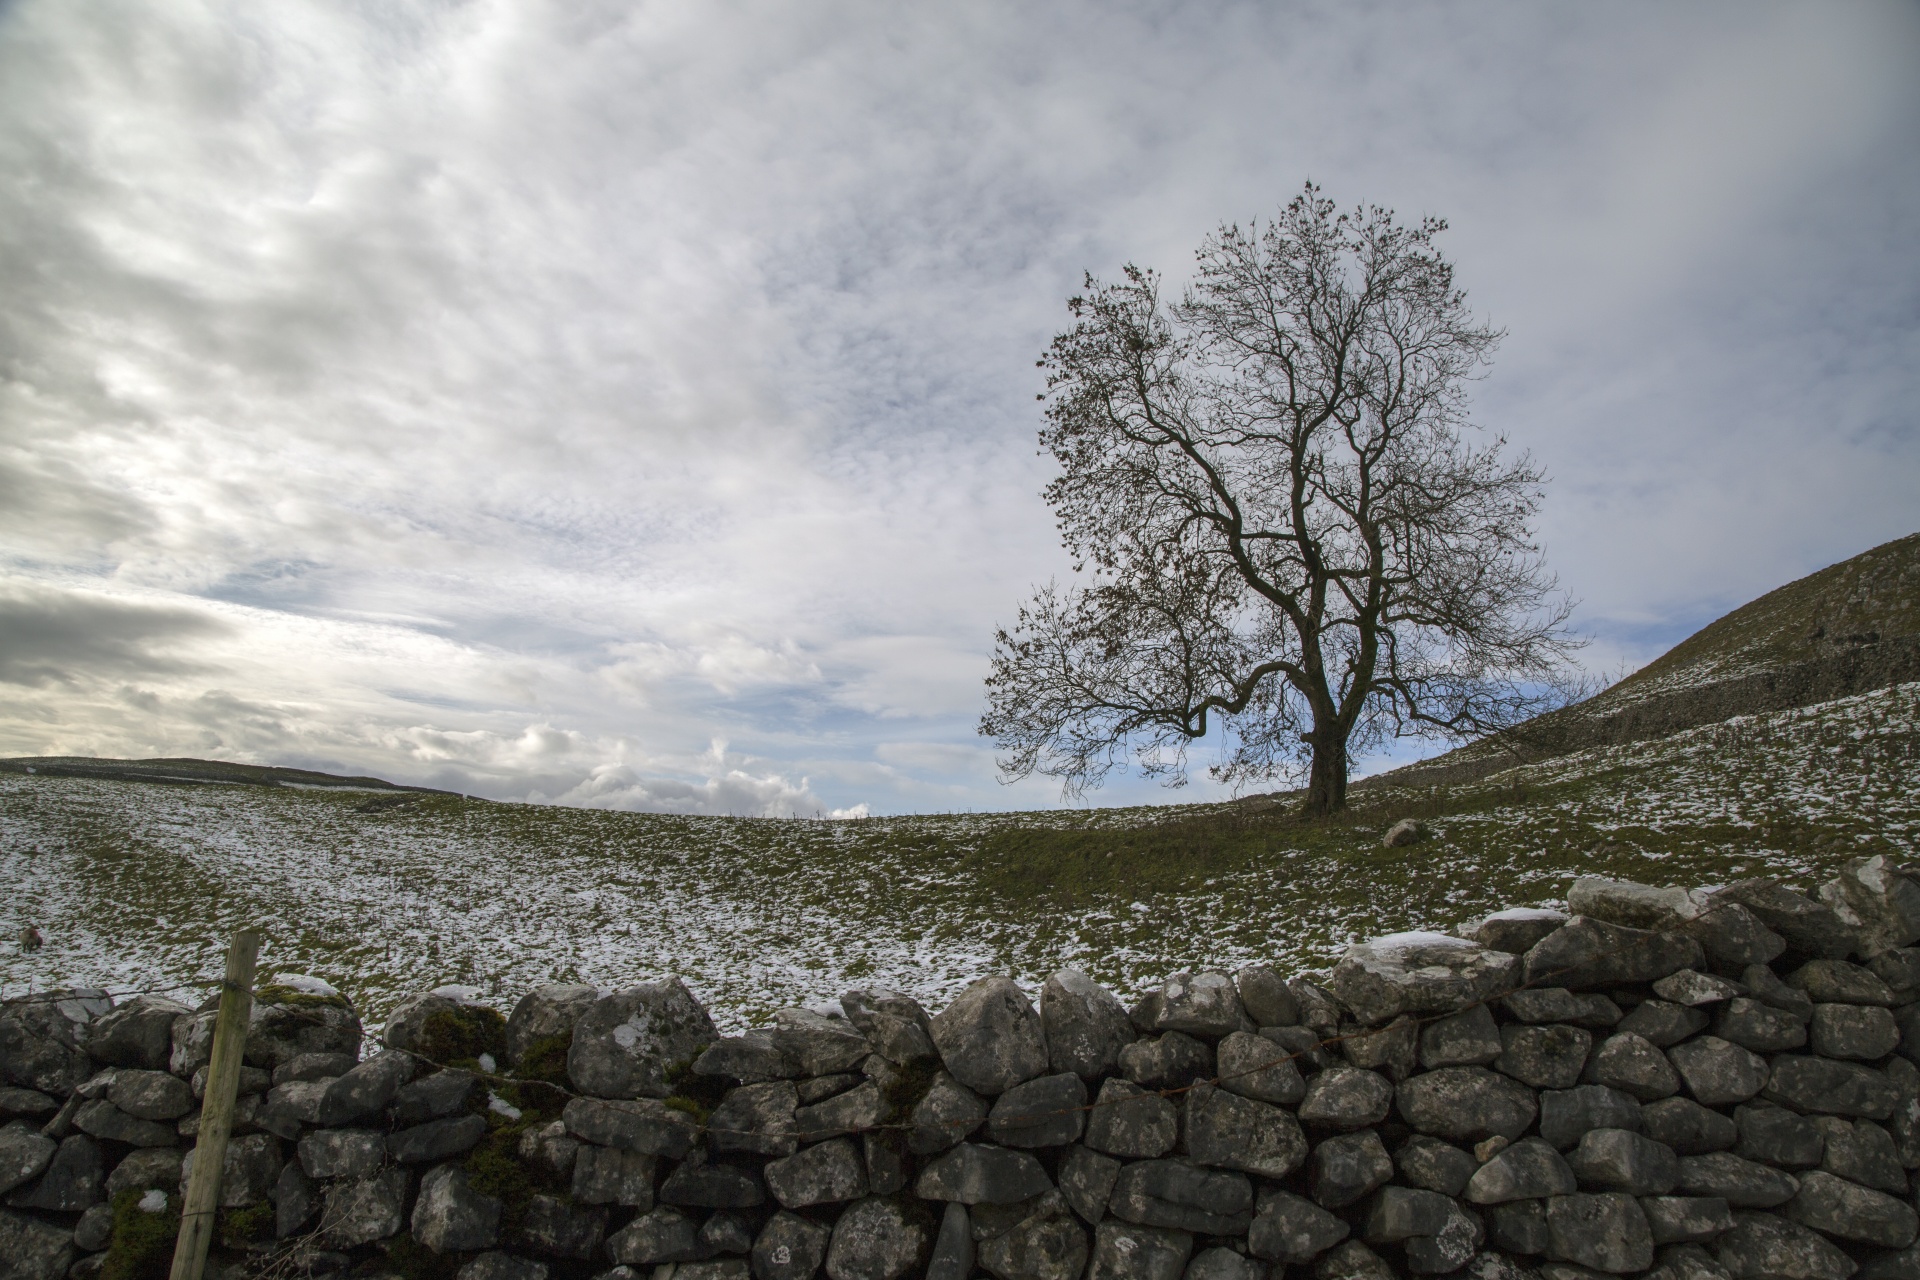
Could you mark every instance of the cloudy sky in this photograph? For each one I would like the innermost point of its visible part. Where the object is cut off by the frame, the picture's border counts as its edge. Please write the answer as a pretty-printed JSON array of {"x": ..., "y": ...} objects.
[{"x": 632, "y": 404}]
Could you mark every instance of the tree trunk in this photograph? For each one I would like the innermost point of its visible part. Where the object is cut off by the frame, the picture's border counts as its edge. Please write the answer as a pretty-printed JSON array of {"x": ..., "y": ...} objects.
[{"x": 1327, "y": 776}]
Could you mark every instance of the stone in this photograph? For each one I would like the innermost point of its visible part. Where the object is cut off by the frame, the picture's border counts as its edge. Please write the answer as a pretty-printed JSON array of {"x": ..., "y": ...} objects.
[
  {"x": 1586, "y": 953},
  {"x": 1419, "y": 973},
  {"x": 1741, "y": 1183},
  {"x": 1266, "y": 998},
  {"x": 1621, "y": 1160},
  {"x": 1878, "y": 900},
  {"x": 360, "y": 1212},
  {"x": 879, "y": 1239},
  {"x": 1853, "y": 1031},
  {"x": 1131, "y": 1251},
  {"x": 1468, "y": 1038},
  {"x": 24, "y": 1155},
  {"x": 819, "y": 1088},
  {"x": 1825, "y": 1087},
  {"x": 1435, "y": 1165},
  {"x": 1566, "y": 1114},
  {"x": 545, "y": 1015},
  {"x": 750, "y": 1059},
  {"x": 638, "y": 1124},
  {"x": 1904, "y": 1265},
  {"x": 1448, "y": 1249},
  {"x": 1607, "y": 1232},
  {"x": 1494, "y": 1266},
  {"x": 1777, "y": 1136},
  {"x": 1352, "y": 1260},
  {"x": 287, "y": 1022},
  {"x": 660, "y": 1235},
  {"x": 366, "y": 1091},
  {"x": 854, "y": 1111},
  {"x": 1226, "y": 1131},
  {"x": 138, "y": 1033},
  {"x": 1407, "y": 831},
  {"x": 192, "y": 1041},
  {"x": 1765, "y": 1246},
  {"x": 1687, "y": 1127},
  {"x": 1766, "y": 986},
  {"x": 1557, "y": 1004},
  {"x": 1172, "y": 1060},
  {"x": 1049, "y": 1111},
  {"x": 1686, "y": 1219},
  {"x": 990, "y": 1038},
  {"x": 289, "y": 1108},
  {"x": 1519, "y": 1226},
  {"x": 341, "y": 1153},
  {"x": 1466, "y": 1104},
  {"x": 608, "y": 1175},
  {"x": 819, "y": 1045},
  {"x": 34, "y": 1250},
  {"x": 894, "y": 1024},
  {"x": 94, "y": 1231},
  {"x": 1694, "y": 989},
  {"x": 1183, "y": 1197},
  {"x": 1899, "y": 968},
  {"x": 790, "y": 1247},
  {"x": 436, "y": 1139},
  {"x": 1045, "y": 1244},
  {"x": 700, "y": 1185},
  {"x": 1348, "y": 1168},
  {"x": 886, "y": 1156},
  {"x": 41, "y": 1039},
  {"x": 1718, "y": 1072},
  {"x": 1863, "y": 1152},
  {"x": 1401, "y": 1213},
  {"x": 1663, "y": 1023},
  {"x": 313, "y": 1066},
  {"x": 147, "y": 1168},
  {"x": 450, "y": 1216},
  {"x": 628, "y": 1043},
  {"x": 1222, "y": 1263},
  {"x": 559, "y": 1228},
  {"x": 494, "y": 1265},
  {"x": 1291, "y": 1231},
  {"x": 824, "y": 1174},
  {"x": 1638, "y": 906},
  {"x": 1132, "y": 1123},
  {"x": 1319, "y": 1009},
  {"x": 948, "y": 1113},
  {"x": 295, "y": 1197},
  {"x": 1517, "y": 929},
  {"x": 1393, "y": 1049},
  {"x": 31, "y": 1104},
  {"x": 1632, "y": 1064},
  {"x": 1347, "y": 1098},
  {"x": 1845, "y": 1210},
  {"x": 1530, "y": 1169},
  {"x": 1903, "y": 1126},
  {"x": 1733, "y": 937},
  {"x": 1302, "y": 1044},
  {"x": 713, "y": 1268},
  {"x": 247, "y": 1174},
  {"x": 758, "y": 1118},
  {"x": 1760, "y": 1027},
  {"x": 1549, "y": 1056},
  {"x": 1086, "y": 1180},
  {"x": 1837, "y": 982},
  {"x": 1201, "y": 1004},
  {"x": 1810, "y": 928},
  {"x": 972, "y": 1173},
  {"x": 110, "y": 1124},
  {"x": 1254, "y": 1067},
  {"x": 252, "y": 1081},
  {"x": 551, "y": 1150},
  {"x": 727, "y": 1233},
  {"x": 953, "y": 1252}
]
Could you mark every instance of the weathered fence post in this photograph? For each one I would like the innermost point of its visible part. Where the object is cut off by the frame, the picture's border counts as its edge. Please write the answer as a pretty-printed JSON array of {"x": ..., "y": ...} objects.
[{"x": 216, "y": 1111}]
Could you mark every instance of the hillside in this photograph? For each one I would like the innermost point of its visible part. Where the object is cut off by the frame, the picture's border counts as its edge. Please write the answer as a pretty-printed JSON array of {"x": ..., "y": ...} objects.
[
  {"x": 197, "y": 772},
  {"x": 1850, "y": 628},
  {"x": 133, "y": 883}
]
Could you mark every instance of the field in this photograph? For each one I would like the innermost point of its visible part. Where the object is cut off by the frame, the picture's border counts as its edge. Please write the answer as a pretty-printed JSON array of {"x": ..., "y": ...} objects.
[{"x": 135, "y": 884}]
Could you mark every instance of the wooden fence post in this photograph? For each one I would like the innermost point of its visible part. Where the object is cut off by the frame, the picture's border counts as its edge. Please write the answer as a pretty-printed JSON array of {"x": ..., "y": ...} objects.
[{"x": 202, "y": 1200}]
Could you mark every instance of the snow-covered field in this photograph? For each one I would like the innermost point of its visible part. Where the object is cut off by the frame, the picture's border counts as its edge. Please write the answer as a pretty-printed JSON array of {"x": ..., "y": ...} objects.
[{"x": 136, "y": 884}]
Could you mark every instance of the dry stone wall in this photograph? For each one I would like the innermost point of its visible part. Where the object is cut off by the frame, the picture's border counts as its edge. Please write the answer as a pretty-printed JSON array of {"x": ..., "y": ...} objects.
[{"x": 1659, "y": 1081}]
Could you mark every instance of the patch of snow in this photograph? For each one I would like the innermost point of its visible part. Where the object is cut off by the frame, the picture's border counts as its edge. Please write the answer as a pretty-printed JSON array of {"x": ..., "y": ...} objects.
[{"x": 305, "y": 983}]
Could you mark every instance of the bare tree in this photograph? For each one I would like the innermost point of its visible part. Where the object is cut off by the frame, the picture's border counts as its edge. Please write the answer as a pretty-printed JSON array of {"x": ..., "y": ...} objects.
[{"x": 1277, "y": 519}]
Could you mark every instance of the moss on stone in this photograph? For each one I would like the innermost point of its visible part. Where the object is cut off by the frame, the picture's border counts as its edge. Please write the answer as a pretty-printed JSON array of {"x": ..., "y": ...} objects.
[
  {"x": 291, "y": 997},
  {"x": 238, "y": 1228},
  {"x": 412, "y": 1260},
  {"x": 465, "y": 1032},
  {"x": 142, "y": 1242},
  {"x": 691, "y": 1106},
  {"x": 494, "y": 1169},
  {"x": 546, "y": 1059}
]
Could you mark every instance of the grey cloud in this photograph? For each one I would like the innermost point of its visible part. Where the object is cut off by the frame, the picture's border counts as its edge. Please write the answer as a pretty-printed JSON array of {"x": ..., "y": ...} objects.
[{"x": 49, "y": 636}]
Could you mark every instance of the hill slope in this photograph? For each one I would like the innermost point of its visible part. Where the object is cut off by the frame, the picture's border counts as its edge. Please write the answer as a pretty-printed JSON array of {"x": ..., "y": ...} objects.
[
  {"x": 1850, "y": 628},
  {"x": 134, "y": 883}
]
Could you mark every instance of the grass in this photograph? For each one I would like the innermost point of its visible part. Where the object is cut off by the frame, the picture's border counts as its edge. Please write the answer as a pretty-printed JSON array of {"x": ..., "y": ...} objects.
[{"x": 132, "y": 883}]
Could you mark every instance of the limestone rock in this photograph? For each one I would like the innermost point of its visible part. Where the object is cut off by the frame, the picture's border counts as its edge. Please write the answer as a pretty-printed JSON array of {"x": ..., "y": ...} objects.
[
  {"x": 1879, "y": 901},
  {"x": 1516, "y": 929},
  {"x": 1551, "y": 1056},
  {"x": 1777, "y": 1136},
  {"x": 1717, "y": 1072},
  {"x": 1621, "y": 1160},
  {"x": 450, "y": 1216},
  {"x": 972, "y": 1173},
  {"x": 1086, "y": 1181},
  {"x": 1565, "y": 1114},
  {"x": 559, "y": 1228},
  {"x": 1084, "y": 1025},
  {"x": 34, "y": 1250},
  {"x": 1686, "y": 1219},
  {"x": 823, "y": 1174},
  {"x": 1824, "y": 1087},
  {"x": 1200, "y": 1004},
  {"x": 1347, "y": 1098},
  {"x": 1407, "y": 831},
  {"x": 817, "y": 1044},
  {"x": 790, "y": 1247},
  {"x": 1607, "y": 1232},
  {"x": 661, "y": 1235},
  {"x": 1662, "y": 1022},
  {"x": 1265, "y": 996},
  {"x": 894, "y": 1024},
  {"x": 1418, "y": 973},
  {"x": 366, "y": 1090},
  {"x": 1754, "y": 1025},
  {"x": 1638, "y": 906},
  {"x": 701, "y": 1185},
  {"x": 40, "y": 1039},
  {"x": 990, "y": 1038},
  {"x": 1183, "y": 1197},
  {"x": 1467, "y": 1104},
  {"x": 1863, "y": 1152},
  {"x": 855, "y": 1111},
  {"x": 1558, "y": 1004},
  {"x": 1227, "y": 1131},
  {"x": 1810, "y": 928},
  {"x": 1762, "y": 1246},
  {"x": 628, "y": 1043},
  {"x": 494, "y": 1265},
  {"x": 341, "y": 1153},
  {"x": 1291, "y": 1231},
  {"x": 751, "y": 1059},
  {"x": 878, "y": 1240},
  {"x": 1043, "y": 1112},
  {"x": 247, "y": 1174},
  {"x": 1837, "y": 982},
  {"x": 24, "y": 1155},
  {"x": 546, "y": 1014},
  {"x": 1255, "y": 1067},
  {"x": 1846, "y": 1211},
  {"x": 1693, "y": 989},
  {"x": 138, "y": 1033},
  {"x": 1469, "y": 1038},
  {"x": 608, "y": 1175},
  {"x": 1401, "y": 1213},
  {"x": 436, "y": 1139},
  {"x": 286, "y": 1023},
  {"x": 1741, "y": 1183},
  {"x": 1631, "y": 1064},
  {"x": 1433, "y": 1165},
  {"x": 948, "y": 1113},
  {"x": 1348, "y": 1168},
  {"x": 360, "y": 1212},
  {"x": 1393, "y": 1049},
  {"x": 1172, "y": 1060},
  {"x": 1352, "y": 1260},
  {"x": 1687, "y": 1127},
  {"x": 1044, "y": 1244},
  {"x": 1132, "y": 1251},
  {"x": 1733, "y": 937},
  {"x": 757, "y": 1118},
  {"x": 1530, "y": 1169},
  {"x": 1222, "y": 1263},
  {"x": 641, "y": 1125},
  {"x": 1855, "y": 1031},
  {"x": 1585, "y": 953}
]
